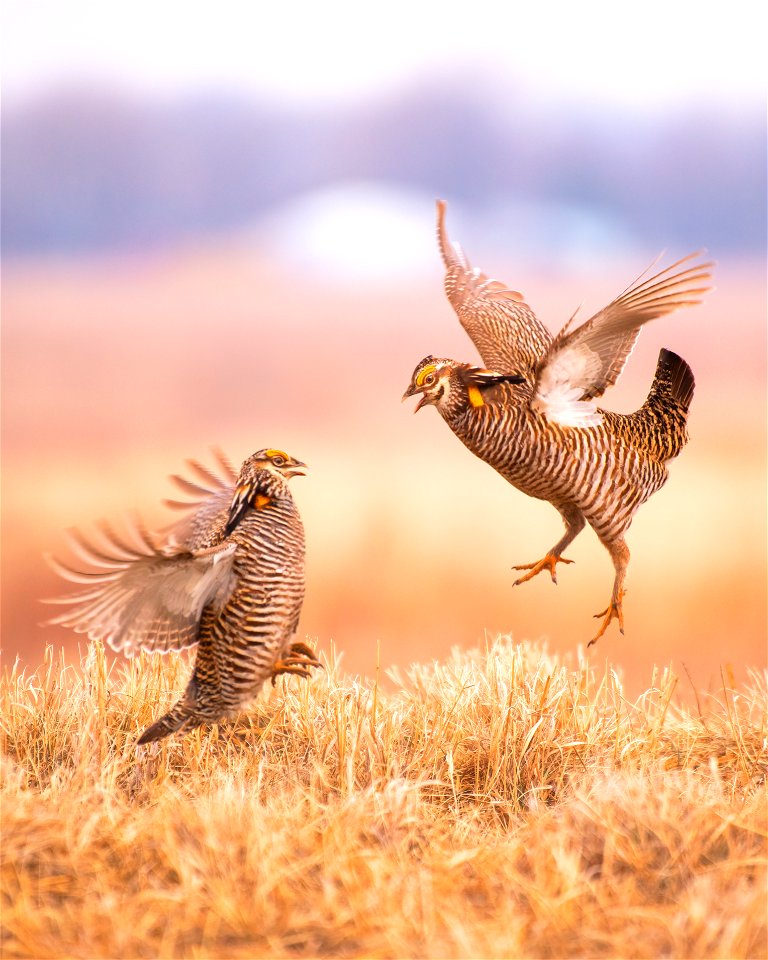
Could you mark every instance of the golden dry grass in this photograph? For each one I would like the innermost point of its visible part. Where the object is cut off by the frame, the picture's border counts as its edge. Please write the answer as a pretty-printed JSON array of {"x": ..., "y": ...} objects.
[{"x": 499, "y": 804}]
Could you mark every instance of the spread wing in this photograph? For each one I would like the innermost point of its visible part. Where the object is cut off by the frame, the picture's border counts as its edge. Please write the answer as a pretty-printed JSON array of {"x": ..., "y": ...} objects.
[
  {"x": 582, "y": 363},
  {"x": 501, "y": 325},
  {"x": 148, "y": 593},
  {"x": 208, "y": 510},
  {"x": 141, "y": 596}
]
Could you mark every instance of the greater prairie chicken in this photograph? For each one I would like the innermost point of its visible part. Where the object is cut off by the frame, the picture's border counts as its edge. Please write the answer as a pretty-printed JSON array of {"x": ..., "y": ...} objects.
[
  {"x": 228, "y": 577},
  {"x": 531, "y": 413}
]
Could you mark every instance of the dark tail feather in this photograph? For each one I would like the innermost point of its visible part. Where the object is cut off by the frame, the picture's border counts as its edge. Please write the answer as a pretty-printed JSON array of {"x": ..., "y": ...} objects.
[
  {"x": 663, "y": 417},
  {"x": 169, "y": 723},
  {"x": 674, "y": 378}
]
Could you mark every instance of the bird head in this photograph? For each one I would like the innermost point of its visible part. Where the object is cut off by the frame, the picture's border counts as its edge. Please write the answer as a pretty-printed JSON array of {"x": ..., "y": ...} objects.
[
  {"x": 278, "y": 462},
  {"x": 431, "y": 379},
  {"x": 262, "y": 477},
  {"x": 450, "y": 386}
]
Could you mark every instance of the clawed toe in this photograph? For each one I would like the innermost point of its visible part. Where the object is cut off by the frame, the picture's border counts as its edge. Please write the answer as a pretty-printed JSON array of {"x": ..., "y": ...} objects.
[
  {"x": 612, "y": 612},
  {"x": 300, "y": 649},
  {"x": 300, "y": 659},
  {"x": 547, "y": 563}
]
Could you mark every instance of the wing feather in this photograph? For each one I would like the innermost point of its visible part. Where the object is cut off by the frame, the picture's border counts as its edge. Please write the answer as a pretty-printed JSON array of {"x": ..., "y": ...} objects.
[
  {"x": 146, "y": 592},
  {"x": 583, "y": 362},
  {"x": 209, "y": 509},
  {"x": 149, "y": 600},
  {"x": 505, "y": 330}
]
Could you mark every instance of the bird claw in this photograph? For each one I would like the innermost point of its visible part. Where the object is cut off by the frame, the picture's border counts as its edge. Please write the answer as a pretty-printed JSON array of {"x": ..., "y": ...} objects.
[
  {"x": 612, "y": 612},
  {"x": 299, "y": 660},
  {"x": 547, "y": 563},
  {"x": 301, "y": 649}
]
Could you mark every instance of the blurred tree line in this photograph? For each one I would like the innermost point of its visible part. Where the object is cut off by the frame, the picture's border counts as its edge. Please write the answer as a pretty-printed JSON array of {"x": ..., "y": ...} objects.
[{"x": 90, "y": 169}]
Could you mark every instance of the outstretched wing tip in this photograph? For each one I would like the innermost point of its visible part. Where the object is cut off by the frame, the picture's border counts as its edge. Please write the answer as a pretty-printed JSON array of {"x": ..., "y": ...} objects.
[
  {"x": 449, "y": 251},
  {"x": 499, "y": 322},
  {"x": 583, "y": 362}
]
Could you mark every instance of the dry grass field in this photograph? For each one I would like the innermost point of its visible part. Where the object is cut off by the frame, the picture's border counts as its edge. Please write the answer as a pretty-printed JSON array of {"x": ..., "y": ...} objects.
[
  {"x": 501, "y": 803},
  {"x": 514, "y": 801}
]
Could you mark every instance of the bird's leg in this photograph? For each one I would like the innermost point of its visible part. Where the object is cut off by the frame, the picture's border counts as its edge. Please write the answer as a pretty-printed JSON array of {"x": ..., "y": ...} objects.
[
  {"x": 619, "y": 552},
  {"x": 299, "y": 660},
  {"x": 574, "y": 524}
]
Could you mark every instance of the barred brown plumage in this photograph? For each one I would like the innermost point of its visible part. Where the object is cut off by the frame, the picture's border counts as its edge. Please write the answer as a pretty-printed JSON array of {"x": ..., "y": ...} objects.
[
  {"x": 530, "y": 413},
  {"x": 229, "y": 577}
]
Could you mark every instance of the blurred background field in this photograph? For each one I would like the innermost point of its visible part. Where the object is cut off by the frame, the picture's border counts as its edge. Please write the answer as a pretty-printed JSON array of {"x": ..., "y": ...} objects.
[{"x": 202, "y": 249}]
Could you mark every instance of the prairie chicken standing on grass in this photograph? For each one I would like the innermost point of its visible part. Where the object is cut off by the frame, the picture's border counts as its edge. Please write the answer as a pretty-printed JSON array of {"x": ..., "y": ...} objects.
[
  {"x": 531, "y": 413},
  {"x": 229, "y": 577}
]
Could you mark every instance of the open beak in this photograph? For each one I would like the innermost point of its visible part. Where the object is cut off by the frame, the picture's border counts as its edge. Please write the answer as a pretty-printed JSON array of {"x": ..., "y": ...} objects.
[
  {"x": 411, "y": 392},
  {"x": 297, "y": 469}
]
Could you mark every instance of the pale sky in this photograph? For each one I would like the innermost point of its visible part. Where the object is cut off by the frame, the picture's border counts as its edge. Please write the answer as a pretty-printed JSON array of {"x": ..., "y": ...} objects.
[{"x": 647, "y": 54}]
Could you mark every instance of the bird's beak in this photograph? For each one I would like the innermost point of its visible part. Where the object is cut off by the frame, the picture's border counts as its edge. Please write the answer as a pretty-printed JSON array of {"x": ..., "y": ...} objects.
[
  {"x": 298, "y": 469},
  {"x": 411, "y": 392}
]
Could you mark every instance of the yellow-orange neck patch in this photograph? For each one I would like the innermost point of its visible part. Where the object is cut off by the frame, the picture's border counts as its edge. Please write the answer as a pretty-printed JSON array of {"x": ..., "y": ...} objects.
[
  {"x": 261, "y": 500},
  {"x": 475, "y": 396}
]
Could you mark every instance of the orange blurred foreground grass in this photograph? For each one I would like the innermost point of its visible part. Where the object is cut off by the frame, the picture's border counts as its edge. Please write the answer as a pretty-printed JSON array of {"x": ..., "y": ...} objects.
[{"x": 502, "y": 803}]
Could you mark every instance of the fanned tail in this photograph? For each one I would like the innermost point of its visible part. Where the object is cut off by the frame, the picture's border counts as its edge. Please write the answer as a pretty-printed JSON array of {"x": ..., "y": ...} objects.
[
  {"x": 673, "y": 379},
  {"x": 664, "y": 415}
]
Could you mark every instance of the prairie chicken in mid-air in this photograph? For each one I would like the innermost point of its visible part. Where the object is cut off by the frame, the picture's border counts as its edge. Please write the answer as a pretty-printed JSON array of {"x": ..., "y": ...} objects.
[
  {"x": 530, "y": 413},
  {"x": 228, "y": 577}
]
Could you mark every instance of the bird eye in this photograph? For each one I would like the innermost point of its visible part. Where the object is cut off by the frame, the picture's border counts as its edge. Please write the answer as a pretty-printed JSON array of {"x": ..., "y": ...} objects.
[
  {"x": 278, "y": 461},
  {"x": 429, "y": 379}
]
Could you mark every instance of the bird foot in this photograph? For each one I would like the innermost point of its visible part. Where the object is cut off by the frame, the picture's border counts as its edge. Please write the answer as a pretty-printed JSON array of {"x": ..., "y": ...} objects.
[
  {"x": 547, "y": 563},
  {"x": 299, "y": 660},
  {"x": 300, "y": 649},
  {"x": 612, "y": 612}
]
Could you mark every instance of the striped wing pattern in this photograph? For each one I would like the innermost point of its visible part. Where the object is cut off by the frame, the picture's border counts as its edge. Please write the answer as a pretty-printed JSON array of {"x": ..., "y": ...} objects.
[
  {"x": 506, "y": 332},
  {"x": 148, "y": 593},
  {"x": 207, "y": 511},
  {"x": 582, "y": 363}
]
